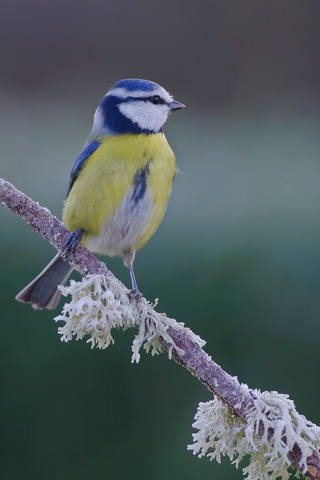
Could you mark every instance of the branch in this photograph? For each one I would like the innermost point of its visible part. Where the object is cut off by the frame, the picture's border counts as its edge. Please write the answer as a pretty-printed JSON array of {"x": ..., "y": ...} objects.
[{"x": 177, "y": 340}]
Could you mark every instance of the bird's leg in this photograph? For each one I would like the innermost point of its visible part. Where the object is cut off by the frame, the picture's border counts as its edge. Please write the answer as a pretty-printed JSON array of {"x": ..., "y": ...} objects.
[
  {"x": 72, "y": 241},
  {"x": 133, "y": 278},
  {"x": 134, "y": 292},
  {"x": 128, "y": 258}
]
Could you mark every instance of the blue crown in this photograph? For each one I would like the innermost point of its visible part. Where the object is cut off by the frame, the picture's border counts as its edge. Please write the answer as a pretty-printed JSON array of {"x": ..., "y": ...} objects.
[{"x": 134, "y": 84}]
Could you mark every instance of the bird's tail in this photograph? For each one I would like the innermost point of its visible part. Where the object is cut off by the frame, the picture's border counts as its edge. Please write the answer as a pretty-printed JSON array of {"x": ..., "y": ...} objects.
[{"x": 43, "y": 291}]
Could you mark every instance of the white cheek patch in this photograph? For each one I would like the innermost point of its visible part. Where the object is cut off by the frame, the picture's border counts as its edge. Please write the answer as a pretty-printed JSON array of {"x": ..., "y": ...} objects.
[{"x": 145, "y": 114}]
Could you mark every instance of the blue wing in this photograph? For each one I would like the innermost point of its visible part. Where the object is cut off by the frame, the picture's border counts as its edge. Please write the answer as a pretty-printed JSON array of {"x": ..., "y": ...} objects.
[{"x": 84, "y": 155}]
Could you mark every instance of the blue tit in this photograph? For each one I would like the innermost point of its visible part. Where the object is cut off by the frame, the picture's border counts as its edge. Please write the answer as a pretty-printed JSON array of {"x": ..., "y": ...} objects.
[{"x": 119, "y": 186}]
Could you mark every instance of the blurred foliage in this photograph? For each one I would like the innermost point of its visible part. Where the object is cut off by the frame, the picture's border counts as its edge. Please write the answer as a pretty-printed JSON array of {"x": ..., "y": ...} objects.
[{"x": 236, "y": 258}]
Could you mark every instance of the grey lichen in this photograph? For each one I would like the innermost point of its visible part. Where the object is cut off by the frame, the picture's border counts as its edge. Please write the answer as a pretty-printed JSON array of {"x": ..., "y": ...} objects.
[
  {"x": 100, "y": 304},
  {"x": 271, "y": 430}
]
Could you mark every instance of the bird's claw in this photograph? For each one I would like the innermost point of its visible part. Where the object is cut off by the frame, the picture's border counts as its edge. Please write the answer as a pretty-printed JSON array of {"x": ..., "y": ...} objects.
[
  {"x": 135, "y": 295},
  {"x": 72, "y": 241}
]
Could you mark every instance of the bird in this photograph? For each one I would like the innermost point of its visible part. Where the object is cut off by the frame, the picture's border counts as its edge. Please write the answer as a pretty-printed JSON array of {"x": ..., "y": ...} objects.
[{"x": 119, "y": 185}]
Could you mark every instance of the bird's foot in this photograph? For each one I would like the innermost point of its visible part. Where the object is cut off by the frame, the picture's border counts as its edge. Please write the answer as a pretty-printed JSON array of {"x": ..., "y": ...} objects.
[
  {"x": 72, "y": 241},
  {"x": 135, "y": 295}
]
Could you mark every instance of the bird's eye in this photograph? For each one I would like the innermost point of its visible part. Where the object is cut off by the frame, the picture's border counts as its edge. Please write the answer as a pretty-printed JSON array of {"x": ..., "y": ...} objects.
[{"x": 156, "y": 100}]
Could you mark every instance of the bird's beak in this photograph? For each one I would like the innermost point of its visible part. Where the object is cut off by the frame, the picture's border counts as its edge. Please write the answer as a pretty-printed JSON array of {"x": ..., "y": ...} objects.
[{"x": 174, "y": 105}]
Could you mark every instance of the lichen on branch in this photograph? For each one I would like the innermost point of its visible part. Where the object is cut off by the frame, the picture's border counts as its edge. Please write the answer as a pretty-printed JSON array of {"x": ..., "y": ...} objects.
[
  {"x": 99, "y": 304},
  {"x": 273, "y": 428}
]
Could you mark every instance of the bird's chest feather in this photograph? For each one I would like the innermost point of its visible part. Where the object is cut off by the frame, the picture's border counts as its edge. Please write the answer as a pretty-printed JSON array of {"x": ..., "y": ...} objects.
[
  {"x": 121, "y": 194},
  {"x": 122, "y": 230}
]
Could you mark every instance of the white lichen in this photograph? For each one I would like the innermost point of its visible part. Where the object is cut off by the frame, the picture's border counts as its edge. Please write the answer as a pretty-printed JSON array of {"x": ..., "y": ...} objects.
[
  {"x": 272, "y": 428},
  {"x": 100, "y": 304}
]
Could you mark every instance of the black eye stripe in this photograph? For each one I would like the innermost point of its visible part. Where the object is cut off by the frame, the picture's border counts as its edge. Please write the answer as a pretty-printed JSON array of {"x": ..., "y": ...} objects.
[{"x": 155, "y": 99}]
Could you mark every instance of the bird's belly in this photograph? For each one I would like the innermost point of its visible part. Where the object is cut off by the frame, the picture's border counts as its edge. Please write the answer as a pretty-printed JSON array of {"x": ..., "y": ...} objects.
[{"x": 123, "y": 231}]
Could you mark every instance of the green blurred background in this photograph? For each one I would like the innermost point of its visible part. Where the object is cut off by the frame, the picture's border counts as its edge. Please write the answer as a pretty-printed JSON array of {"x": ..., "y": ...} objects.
[{"x": 237, "y": 257}]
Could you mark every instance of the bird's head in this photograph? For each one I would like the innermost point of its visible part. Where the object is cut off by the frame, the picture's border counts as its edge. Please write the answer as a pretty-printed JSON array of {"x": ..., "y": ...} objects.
[{"x": 134, "y": 106}]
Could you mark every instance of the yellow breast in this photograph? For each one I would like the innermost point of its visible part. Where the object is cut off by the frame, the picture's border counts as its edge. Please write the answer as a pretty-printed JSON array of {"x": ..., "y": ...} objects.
[{"x": 100, "y": 201}]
